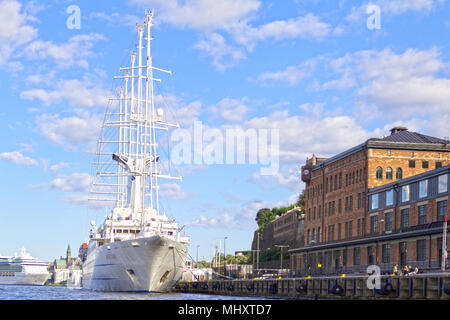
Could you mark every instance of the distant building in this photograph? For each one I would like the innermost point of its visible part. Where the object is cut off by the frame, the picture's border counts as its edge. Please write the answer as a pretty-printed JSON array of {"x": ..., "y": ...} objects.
[
  {"x": 66, "y": 270},
  {"x": 286, "y": 230}
]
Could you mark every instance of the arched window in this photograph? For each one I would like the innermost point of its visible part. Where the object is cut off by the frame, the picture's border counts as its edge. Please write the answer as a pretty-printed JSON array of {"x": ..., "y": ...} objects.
[
  {"x": 399, "y": 174},
  {"x": 389, "y": 173},
  {"x": 379, "y": 173}
]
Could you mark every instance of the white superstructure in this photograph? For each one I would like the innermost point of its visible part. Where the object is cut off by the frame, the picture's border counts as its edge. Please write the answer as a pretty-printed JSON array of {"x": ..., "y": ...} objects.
[
  {"x": 137, "y": 247},
  {"x": 23, "y": 269}
]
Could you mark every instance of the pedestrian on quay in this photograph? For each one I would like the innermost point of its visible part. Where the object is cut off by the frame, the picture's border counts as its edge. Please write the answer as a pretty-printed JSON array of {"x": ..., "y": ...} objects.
[
  {"x": 395, "y": 271},
  {"x": 405, "y": 271}
]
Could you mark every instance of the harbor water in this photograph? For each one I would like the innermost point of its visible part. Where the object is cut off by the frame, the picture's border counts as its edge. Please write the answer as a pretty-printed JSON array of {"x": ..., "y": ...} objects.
[{"x": 13, "y": 292}]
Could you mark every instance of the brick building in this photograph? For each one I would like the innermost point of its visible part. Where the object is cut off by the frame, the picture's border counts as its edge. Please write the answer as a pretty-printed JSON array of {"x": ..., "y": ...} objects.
[{"x": 336, "y": 191}]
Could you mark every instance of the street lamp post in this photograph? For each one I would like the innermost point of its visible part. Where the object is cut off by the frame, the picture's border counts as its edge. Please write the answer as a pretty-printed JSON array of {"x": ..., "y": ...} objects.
[
  {"x": 224, "y": 257},
  {"x": 444, "y": 244},
  {"x": 281, "y": 254},
  {"x": 197, "y": 255}
]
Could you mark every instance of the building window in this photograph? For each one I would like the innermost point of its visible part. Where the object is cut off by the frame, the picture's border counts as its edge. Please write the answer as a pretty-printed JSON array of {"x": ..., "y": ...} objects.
[
  {"x": 339, "y": 205},
  {"x": 388, "y": 221},
  {"x": 403, "y": 251},
  {"x": 386, "y": 254},
  {"x": 358, "y": 227},
  {"x": 375, "y": 201},
  {"x": 350, "y": 226},
  {"x": 423, "y": 188},
  {"x": 319, "y": 235},
  {"x": 412, "y": 163},
  {"x": 331, "y": 183},
  {"x": 359, "y": 200},
  {"x": 405, "y": 193},
  {"x": 374, "y": 224},
  {"x": 379, "y": 173},
  {"x": 438, "y": 164},
  {"x": 351, "y": 203},
  {"x": 399, "y": 174},
  {"x": 389, "y": 173},
  {"x": 425, "y": 164},
  {"x": 371, "y": 255},
  {"x": 422, "y": 213},
  {"x": 340, "y": 180},
  {"x": 390, "y": 197},
  {"x": 356, "y": 256},
  {"x": 405, "y": 218},
  {"x": 335, "y": 182},
  {"x": 314, "y": 213},
  {"x": 421, "y": 250},
  {"x": 441, "y": 210},
  {"x": 320, "y": 211},
  {"x": 364, "y": 200},
  {"x": 442, "y": 181},
  {"x": 339, "y": 231}
]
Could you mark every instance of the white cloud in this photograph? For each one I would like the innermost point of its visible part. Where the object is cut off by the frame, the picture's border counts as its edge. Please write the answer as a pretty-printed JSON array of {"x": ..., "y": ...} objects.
[
  {"x": 308, "y": 26},
  {"x": 393, "y": 8},
  {"x": 70, "y": 131},
  {"x": 224, "y": 56},
  {"x": 18, "y": 158},
  {"x": 402, "y": 83},
  {"x": 117, "y": 18},
  {"x": 288, "y": 178},
  {"x": 14, "y": 29},
  {"x": 172, "y": 191},
  {"x": 230, "y": 110},
  {"x": 201, "y": 14},
  {"x": 77, "y": 182},
  {"x": 57, "y": 167},
  {"x": 72, "y": 53},
  {"x": 292, "y": 74},
  {"x": 300, "y": 136},
  {"x": 78, "y": 93}
]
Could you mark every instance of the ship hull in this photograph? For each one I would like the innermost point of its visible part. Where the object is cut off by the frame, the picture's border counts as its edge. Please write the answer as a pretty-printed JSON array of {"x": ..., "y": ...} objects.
[
  {"x": 152, "y": 264},
  {"x": 22, "y": 278}
]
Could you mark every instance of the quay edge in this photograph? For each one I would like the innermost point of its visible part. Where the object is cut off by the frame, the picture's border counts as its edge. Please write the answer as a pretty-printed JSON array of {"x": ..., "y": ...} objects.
[{"x": 417, "y": 287}]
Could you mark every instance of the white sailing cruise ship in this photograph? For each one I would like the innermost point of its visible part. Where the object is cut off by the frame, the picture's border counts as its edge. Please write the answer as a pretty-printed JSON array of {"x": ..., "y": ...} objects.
[
  {"x": 137, "y": 247},
  {"x": 23, "y": 269}
]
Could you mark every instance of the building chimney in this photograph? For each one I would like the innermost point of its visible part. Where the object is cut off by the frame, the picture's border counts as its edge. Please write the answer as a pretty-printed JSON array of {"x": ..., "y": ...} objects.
[{"x": 395, "y": 130}]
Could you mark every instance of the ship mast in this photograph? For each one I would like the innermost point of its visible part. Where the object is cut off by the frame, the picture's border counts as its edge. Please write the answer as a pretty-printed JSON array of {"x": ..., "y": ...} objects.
[{"x": 137, "y": 123}]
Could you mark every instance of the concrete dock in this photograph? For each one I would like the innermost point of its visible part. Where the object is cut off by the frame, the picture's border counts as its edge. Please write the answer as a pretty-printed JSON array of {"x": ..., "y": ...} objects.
[{"x": 421, "y": 286}]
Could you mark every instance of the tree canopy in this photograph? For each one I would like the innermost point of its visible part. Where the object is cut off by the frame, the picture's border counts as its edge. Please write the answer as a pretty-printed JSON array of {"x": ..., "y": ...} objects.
[{"x": 266, "y": 215}]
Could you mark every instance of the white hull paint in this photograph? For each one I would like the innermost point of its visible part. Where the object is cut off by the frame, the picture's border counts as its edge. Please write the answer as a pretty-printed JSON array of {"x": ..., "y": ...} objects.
[
  {"x": 22, "y": 278},
  {"x": 152, "y": 264}
]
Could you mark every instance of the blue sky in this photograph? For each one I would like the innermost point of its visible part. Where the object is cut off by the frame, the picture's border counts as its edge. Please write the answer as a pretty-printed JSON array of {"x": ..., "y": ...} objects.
[{"x": 313, "y": 70}]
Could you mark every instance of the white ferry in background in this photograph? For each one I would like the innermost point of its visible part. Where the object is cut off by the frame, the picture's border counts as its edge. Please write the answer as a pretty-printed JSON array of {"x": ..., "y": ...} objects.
[{"x": 23, "y": 269}]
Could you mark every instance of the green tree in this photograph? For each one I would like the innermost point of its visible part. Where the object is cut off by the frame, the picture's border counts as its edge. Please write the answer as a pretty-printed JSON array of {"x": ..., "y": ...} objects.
[{"x": 263, "y": 217}]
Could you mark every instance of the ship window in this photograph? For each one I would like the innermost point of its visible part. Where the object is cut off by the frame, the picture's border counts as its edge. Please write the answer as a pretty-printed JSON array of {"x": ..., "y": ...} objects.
[
  {"x": 125, "y": 230},
  {"x": 119, "y": 230}
]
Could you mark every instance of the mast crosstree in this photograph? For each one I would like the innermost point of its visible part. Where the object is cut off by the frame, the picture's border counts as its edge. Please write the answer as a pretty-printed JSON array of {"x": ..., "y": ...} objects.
[{"x": 128, "y": 137}]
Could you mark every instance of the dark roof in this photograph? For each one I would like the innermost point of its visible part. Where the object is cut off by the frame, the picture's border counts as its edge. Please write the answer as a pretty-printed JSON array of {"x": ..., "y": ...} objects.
[
  {"x": 400, "y": 138},
  {"x": 412, "y": 137}
]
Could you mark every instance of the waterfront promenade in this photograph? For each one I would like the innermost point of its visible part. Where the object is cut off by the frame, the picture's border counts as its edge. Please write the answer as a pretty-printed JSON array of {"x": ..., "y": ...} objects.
[{"x": 432, "y": 286}]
